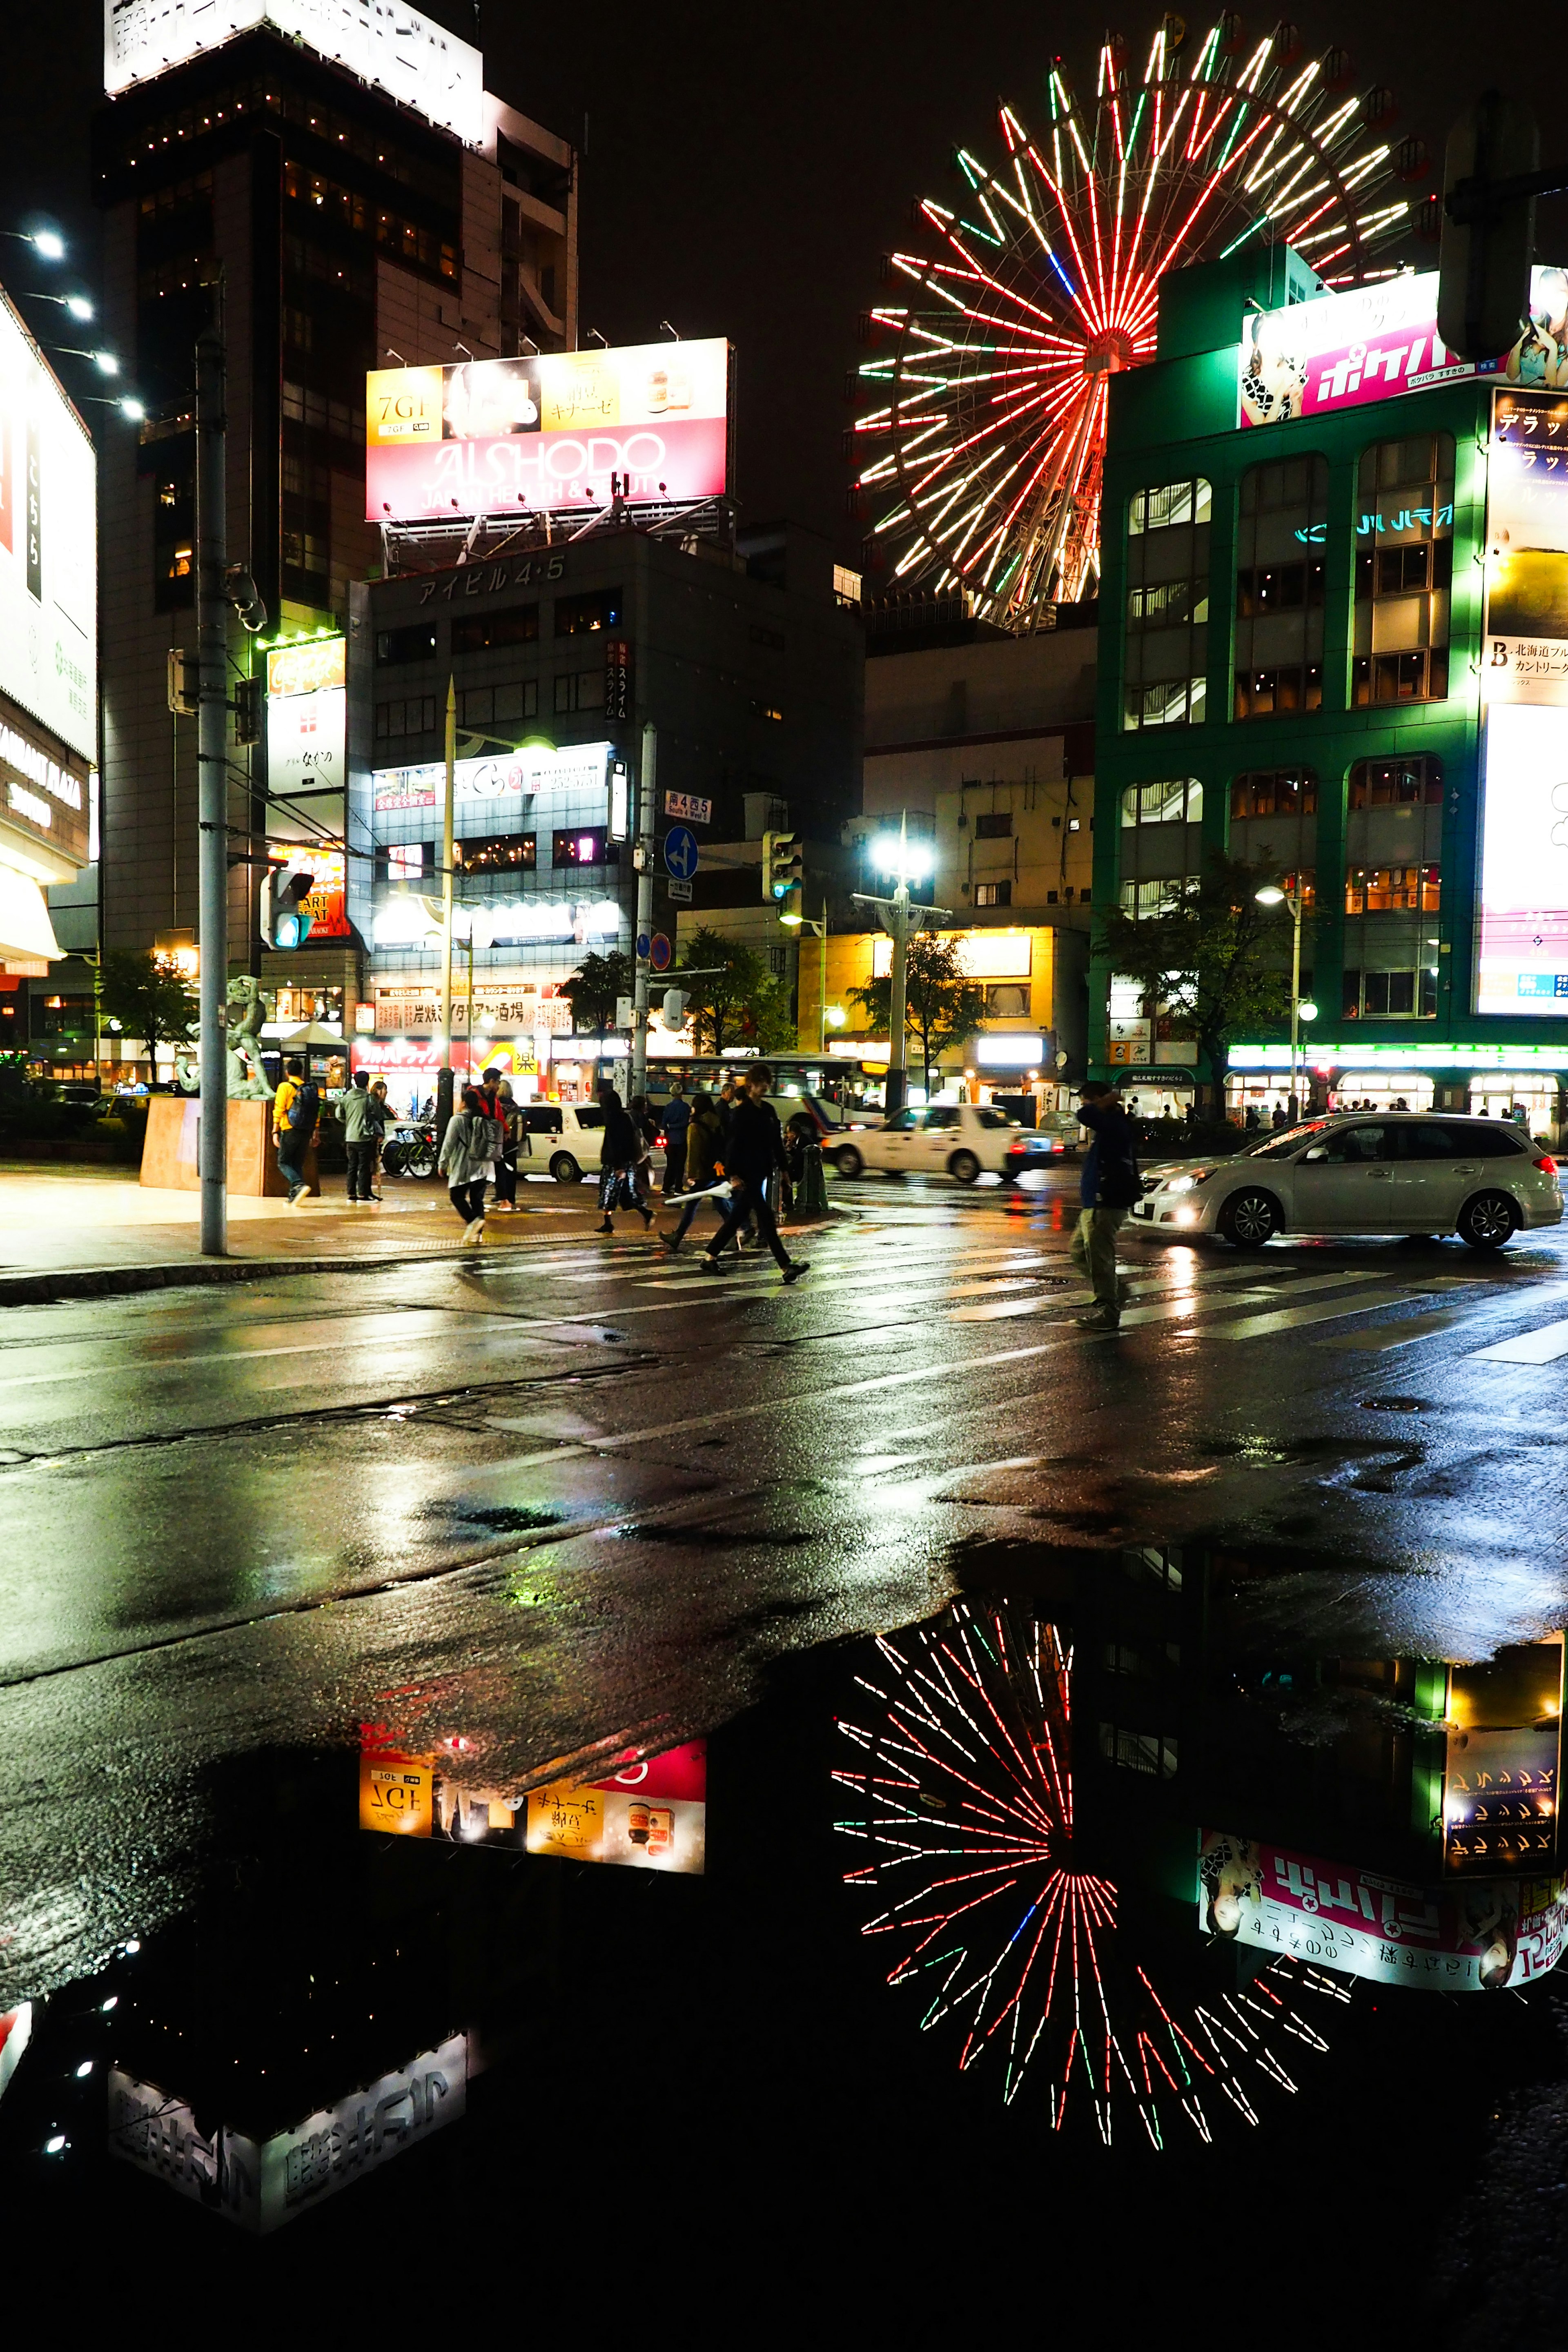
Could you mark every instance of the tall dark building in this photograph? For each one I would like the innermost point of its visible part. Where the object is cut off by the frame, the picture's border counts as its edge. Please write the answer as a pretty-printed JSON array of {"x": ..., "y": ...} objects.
[{"x": 341, "y": 226}]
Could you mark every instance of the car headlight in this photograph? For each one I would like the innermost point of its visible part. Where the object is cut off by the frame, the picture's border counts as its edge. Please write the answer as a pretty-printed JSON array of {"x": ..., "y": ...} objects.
[{"x": 1179, "y": 1184}]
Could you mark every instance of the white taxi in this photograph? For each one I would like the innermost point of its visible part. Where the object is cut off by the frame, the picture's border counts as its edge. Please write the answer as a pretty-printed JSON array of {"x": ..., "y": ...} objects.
[
  {"x": 1400, "y": 1173},
  {"x": 961, "y": 1139}
]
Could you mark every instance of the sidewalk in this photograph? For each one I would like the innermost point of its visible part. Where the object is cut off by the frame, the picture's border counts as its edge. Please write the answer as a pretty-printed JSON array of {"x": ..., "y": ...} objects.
[{"x": 70, "y": 1232}]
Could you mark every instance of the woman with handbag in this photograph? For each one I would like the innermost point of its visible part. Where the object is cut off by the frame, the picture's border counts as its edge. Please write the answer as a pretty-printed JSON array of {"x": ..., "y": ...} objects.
[
  {"x": 467, "y": 1161},
  {"x": 622, "y": 1147}
]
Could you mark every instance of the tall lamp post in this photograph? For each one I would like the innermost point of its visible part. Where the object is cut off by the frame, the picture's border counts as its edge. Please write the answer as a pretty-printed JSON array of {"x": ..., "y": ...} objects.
[
  {"x": 908, "y": 861},
  {"x": 1271, "y": 895}
]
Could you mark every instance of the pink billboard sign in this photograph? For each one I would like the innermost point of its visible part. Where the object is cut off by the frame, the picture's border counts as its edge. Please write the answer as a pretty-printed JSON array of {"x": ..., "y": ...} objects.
[
  {"x": 554, "y": 431},
  {"x": 1484, "y": 1936}
]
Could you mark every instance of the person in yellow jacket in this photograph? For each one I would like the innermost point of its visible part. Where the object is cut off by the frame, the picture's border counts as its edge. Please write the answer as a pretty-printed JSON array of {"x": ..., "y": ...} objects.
[{"x": 296, "y": 1107}]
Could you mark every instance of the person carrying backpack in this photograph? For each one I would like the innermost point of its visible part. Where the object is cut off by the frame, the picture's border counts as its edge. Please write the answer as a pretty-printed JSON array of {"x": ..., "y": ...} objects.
[{"x": 296, "y": 1108}]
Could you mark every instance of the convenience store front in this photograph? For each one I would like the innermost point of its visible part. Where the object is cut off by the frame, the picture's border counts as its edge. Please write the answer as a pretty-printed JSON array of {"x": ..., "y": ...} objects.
[{"x": 1521, "y": 1082}]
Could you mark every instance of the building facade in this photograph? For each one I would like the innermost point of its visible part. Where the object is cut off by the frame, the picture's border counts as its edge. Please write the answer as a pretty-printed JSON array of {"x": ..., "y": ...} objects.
[
  {"x": 1307, "y": 504},
  {"x": 746, "y": 659},
  {"x": 336, "y": 225}
]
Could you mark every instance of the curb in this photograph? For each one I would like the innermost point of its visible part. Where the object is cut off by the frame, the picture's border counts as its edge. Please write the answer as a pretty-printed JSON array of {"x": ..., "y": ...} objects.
[{"x": 203, "y": 1274}]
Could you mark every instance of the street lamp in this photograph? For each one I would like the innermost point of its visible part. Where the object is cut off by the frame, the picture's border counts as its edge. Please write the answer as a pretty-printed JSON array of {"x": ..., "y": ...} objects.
[
  {"x": 47, "y": 242},
  {"x": 1271, "y": 895},
  {"x": 908, "y": 861}
]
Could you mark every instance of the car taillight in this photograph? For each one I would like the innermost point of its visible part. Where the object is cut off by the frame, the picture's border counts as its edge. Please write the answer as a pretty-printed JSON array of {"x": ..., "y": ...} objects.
[{"x": 1547, "y": 1165}]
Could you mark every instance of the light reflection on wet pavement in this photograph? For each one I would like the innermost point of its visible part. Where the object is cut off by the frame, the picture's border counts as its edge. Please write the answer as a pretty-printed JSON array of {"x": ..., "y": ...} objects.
[{"x": 1183, "y": 1713}]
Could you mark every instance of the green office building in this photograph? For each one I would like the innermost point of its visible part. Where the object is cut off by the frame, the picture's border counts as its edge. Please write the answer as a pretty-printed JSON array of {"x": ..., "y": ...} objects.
[{"x": 1308, "y": 503}]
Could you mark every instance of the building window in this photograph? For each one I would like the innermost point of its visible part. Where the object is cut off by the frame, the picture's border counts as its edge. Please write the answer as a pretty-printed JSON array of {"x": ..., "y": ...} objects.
[
  {"x": 1274, "y": 792},
  {"x": 1167, "y": 604},
  {"x": 498, "y": 853},
  {"x": 1008, "y": 999},
  {"x": 410, "y": 645},
  {"x": 476, "y": 633},
  {"x": 1397, "y": 784},
  {"x": 493, "y": 705},
  {"x": 994, "y": 825},
  {"x": 580, "y": 848},
  {"x": 1401, "y": 995},
  {"x": 1152, "y": 898},
  {"x": 405, "y": 861},
  {"x": 994, "y": 894},
  {"x": 584, "y": 691},
  {"x": 1175, "y": 800},
  {"x": 1391, "y": 889},
  {"x": 414, "y": 715},
  {"x": 577, "y": 617},
  {"x": 1404, "y": 572},
  {"x": 1280, "y": 587}
]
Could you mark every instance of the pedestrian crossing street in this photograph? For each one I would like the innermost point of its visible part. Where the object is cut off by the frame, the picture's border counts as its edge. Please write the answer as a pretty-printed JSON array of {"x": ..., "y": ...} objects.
[{"x": 903, "y": 1275}]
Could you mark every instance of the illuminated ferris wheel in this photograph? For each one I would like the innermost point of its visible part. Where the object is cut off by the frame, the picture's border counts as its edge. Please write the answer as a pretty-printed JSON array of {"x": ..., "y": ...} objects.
[
  {"x": 960, "y": 1800},
  {"x": 982, "y": 462}
]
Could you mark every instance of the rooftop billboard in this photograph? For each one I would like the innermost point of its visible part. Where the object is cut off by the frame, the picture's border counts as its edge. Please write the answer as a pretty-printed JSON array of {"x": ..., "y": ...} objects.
[
  {"x": 1341, "y": 351},
  {"x": 547, "y": 431},
  {"x": 394, "y": 48}
]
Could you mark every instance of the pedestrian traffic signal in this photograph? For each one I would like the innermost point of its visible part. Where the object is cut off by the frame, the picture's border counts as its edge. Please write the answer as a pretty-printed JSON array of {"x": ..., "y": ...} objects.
[
  {"x": 676, "y": 1000},
  {"x": 284, "y": 922},
  {"x": 784, "y": 863}
]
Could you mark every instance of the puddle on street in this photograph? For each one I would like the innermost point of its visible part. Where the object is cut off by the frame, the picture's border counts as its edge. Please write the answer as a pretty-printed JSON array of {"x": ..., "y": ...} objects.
[{"x": 1070, "y": 1919}]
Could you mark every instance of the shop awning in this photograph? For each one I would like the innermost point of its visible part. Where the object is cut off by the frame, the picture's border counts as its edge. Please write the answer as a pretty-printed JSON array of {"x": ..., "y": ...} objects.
[{"x": 27, "y": 935}]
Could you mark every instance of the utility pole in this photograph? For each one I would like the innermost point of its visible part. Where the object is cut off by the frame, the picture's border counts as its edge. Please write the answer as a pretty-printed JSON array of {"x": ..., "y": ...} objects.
[
  {"x": 444, "y": 1076},
  {"x": 212, "y": 779},
  {"x": 643, "y": 856}
]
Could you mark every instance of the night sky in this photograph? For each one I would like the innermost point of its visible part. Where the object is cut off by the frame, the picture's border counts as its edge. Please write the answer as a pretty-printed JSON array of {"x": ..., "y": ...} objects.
[{"x": 744, "y": 175}]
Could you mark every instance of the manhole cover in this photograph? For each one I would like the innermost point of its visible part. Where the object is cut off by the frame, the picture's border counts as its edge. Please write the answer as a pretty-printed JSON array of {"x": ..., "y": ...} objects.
[{"x": 1394, "y": 1405}]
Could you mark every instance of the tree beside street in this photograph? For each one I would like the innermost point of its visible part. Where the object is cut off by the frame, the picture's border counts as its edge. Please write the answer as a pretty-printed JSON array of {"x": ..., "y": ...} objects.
[
  {"x": 595, "y": 990},
  {"x": 146, "y": 996},
  {"x": 942, "y": 1006},
  {"x": 1210, "y": 957},
  {"x": 741, "y": 1004}
]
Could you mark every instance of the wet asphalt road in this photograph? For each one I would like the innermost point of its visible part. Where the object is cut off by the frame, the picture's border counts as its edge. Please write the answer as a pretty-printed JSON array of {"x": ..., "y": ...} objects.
[{"x": 555, "y": 1495}]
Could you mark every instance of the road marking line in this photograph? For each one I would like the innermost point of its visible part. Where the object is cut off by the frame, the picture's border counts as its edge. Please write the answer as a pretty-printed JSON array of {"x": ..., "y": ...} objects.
[
  {"x": 1541, "y": 1345},
  {"x": 1294, "y": 1319},
  {"x": 1391, "y": 1334}
]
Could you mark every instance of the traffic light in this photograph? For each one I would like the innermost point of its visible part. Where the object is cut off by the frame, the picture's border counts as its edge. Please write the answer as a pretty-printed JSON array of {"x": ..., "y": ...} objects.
[
  {"x": 673, "y": 1009},
  {"x": 248, "y": 709},
  {"x": 784, "y": 863},
  {"x": 284, "y": 922}
]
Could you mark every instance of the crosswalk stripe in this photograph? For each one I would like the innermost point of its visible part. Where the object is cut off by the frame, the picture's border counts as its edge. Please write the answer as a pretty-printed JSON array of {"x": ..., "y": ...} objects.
[
  {"x": 1541, "y": 1345},
  {"x": 1294, "y": 1319},
  {"x": 878, "y": 1278},
  {"x": 1381, "y": 1336},
  {"x": 1209, "y": 1278}
]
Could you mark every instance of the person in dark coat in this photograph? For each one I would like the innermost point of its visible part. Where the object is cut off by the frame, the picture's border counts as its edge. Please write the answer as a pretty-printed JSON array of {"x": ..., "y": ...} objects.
[
  {"x": 620, "y": 1149},
  {"x": 753, "y": 1154},
  {"x": 1109, "y": 1185},
  {"x": 677, "y": 1119}
]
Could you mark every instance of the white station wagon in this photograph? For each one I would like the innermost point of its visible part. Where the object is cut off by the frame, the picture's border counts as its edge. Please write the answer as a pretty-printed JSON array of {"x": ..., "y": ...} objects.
[
  {"x": 1400, "y": 1173},
  {"x": 961, "y": 1140}
]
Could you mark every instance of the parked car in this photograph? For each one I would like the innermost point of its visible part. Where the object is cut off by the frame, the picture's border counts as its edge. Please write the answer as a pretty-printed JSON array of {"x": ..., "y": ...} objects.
[
  {"x": 1036, "y": 1149},
  {"x": 960, "y": 1139},
  {"x": 1402, "y": 1172},
  {"x": 565, "y": 1138}
]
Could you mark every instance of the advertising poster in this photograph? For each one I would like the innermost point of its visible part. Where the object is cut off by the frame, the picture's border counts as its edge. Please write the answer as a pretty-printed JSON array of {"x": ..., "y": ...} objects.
[
  {"x": 650, "y": 1812},
  {"x": 536, "y": 767},
  {"x": 1481, "y": 1936},
  {"x": 1521, "y": 957},
  {"x": 491, "y": 436},
  {"x": 1525, "y": 652},
  {"x": 48, "y": 551},
  {"x": 1341, "y": 351},
  {"x": 307, "y": 718}
]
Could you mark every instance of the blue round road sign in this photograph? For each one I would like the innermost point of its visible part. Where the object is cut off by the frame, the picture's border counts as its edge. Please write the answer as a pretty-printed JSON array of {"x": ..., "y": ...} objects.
[
  {"x": 680, "y": 852},
  {"x": 642, "y": 947}
]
